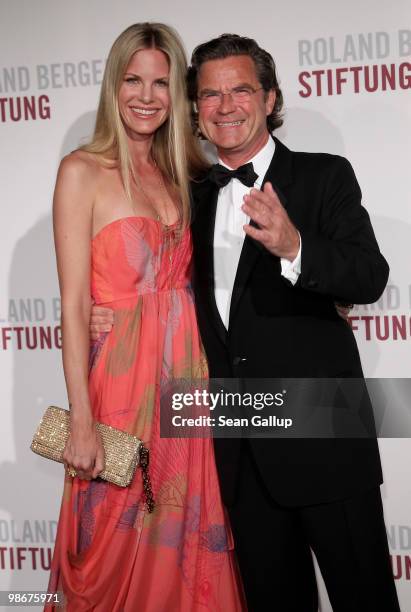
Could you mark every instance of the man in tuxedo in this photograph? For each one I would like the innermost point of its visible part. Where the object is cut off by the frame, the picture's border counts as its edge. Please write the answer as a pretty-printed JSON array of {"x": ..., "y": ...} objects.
[{"x": 278, "y": 237}]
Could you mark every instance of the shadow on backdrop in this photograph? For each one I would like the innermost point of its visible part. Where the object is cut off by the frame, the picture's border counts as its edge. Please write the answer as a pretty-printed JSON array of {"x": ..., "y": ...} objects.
[{"x": 32, "y": 482}]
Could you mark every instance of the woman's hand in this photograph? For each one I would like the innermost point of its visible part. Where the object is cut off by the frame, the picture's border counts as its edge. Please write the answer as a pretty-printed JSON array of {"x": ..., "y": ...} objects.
[
  {"x": 84, "y": 451},
  {"x": 343, "y": 310}
]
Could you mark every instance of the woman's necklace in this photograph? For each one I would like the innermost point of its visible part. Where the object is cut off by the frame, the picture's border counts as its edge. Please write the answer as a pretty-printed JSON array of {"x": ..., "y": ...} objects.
[
  {"x": 163, "y": 220},
  {"x": 169, "y": 234}
]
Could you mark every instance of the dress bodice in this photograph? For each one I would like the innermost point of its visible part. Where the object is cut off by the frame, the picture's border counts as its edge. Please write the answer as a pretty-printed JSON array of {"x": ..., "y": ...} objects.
[{"x": 134, "y": 256}]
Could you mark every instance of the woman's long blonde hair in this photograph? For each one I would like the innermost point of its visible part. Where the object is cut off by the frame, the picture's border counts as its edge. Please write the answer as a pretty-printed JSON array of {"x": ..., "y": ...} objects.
[{"x": 175, "y": 148}]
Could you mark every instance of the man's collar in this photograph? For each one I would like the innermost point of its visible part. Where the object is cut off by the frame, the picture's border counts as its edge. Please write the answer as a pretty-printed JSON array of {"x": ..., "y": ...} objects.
[{"x": 260, "y": 161}]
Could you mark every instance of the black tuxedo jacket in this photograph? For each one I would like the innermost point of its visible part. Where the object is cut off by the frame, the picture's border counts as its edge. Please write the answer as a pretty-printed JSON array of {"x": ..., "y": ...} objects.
[{"x": 280, "y": 330}]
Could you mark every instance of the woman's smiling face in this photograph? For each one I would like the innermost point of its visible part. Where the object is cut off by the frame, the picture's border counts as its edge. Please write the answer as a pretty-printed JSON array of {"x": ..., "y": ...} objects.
[{"x": 144, "y": 99}]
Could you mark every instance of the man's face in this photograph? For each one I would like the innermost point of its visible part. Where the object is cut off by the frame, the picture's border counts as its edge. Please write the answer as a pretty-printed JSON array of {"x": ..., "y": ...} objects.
[{"x": 236, "y": 128}]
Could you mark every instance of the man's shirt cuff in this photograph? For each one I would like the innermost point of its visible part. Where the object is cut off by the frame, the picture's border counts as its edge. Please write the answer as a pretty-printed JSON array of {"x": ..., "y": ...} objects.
[{"x": 291, "y": 270}]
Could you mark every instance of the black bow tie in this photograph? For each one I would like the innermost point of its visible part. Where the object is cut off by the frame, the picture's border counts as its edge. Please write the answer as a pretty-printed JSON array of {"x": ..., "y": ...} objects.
[{"x": 221, "y": 176}]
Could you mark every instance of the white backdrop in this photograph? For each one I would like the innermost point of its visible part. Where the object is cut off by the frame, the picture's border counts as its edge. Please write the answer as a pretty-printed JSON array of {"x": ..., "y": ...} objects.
[{"x": 345, "y": 71}]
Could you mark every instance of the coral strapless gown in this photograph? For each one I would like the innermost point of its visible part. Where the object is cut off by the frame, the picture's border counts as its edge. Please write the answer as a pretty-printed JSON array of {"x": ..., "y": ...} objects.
[{"x": 111, "y": 555}]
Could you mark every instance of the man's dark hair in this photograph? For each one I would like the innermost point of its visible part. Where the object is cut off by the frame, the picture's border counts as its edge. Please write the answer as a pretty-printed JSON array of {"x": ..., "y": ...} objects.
[{"x": 228, "y": 45}]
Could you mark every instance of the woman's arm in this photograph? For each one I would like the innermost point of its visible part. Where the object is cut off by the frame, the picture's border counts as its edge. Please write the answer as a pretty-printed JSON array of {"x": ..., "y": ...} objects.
[{"x": 72, "y": 219}]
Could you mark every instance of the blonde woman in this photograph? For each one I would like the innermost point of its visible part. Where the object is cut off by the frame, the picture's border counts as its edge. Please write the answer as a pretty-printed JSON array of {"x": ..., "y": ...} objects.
[{"x": 121, "y": 223}]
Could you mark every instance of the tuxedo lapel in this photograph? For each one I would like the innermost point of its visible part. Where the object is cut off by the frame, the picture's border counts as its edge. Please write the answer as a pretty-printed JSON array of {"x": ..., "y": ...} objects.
[
  {"x": 279, "y": 175},
  {"x": 205, "y": 206}
]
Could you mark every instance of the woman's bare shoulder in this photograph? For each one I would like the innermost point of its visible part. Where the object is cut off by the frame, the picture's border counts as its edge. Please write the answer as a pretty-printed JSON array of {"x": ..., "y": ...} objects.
[{"x": 80, "y": 166}]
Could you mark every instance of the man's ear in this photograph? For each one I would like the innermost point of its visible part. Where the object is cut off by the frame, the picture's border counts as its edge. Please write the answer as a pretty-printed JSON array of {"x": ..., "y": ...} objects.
[{"x": 270, "y": 101}]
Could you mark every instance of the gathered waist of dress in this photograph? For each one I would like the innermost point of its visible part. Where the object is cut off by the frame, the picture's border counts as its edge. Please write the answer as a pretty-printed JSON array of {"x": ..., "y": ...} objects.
[{"x": 135, "y": 297}]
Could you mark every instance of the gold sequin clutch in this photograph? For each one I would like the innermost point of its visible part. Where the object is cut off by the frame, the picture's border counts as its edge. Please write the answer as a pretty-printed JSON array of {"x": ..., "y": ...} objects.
[{"x": 123, "y": 451}]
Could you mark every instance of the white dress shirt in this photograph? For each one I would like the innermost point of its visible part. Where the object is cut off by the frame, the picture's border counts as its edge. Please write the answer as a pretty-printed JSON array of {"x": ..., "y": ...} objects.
[{"x": 229, "y": 233}]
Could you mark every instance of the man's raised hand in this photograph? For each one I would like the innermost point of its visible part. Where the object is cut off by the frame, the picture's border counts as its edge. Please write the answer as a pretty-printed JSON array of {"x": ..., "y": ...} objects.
[{"x": 275, "y": 230}]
